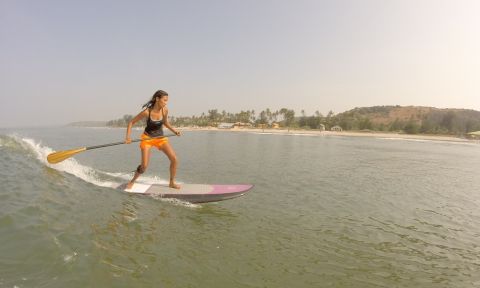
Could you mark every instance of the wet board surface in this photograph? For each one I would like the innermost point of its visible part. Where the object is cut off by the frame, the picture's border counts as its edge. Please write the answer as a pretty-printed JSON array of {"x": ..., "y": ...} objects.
[{"x": 193, "y": 193}]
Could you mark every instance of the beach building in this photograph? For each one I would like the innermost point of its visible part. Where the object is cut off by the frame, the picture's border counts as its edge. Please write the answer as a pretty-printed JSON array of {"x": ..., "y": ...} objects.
[
  {"x": 322, "y": 127},
  {"x": 226, "y": 125},
  {"x": 262, "y": 126},
  {"x": 336, "y": 128},
  {"x": 275, "y": 126},
  {"x": 242, "y": 125},
  {"x": 473, "y": 135}
]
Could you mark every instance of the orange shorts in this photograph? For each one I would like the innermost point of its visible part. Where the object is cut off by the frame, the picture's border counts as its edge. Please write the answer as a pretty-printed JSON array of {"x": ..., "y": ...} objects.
[{"x": 157, "y": 142}]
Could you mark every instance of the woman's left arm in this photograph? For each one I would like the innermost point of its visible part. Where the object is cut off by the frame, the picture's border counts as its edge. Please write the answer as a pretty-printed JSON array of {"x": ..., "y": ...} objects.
[{"x": 167, "y": 124}]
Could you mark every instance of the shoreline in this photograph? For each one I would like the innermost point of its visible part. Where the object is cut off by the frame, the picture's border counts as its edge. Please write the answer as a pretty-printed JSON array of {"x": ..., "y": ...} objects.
[
  {"x": 292, "y": 132},
  {"x": 333, "y": 133}
]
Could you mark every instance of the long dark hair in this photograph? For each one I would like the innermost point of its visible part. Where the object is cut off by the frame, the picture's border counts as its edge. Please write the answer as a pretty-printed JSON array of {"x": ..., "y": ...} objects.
[{"x": 159, "y": 93}]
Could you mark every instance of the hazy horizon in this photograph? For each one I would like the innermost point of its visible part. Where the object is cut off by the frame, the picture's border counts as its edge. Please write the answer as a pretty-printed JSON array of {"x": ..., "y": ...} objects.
[
  {"x": 89, "y": 61},
  {"x": 297, "y": 114}
]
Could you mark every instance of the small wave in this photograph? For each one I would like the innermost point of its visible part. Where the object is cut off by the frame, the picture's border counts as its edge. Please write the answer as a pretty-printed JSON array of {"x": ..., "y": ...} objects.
[
  {"x": 11, "y": 141},
  {"x": 70, "y": 166},
  {"x": 305, "y": 134},
  {"x": 452, "y": 142},
  {"x": 69, "y": 257},
  {"x": 177, "y": 202},
  {"x": 263, "y": 133},
  {"x": 409, "y": 139},
  {"x": 286, "y": 134},
  {"x": 83, "y": 172}
]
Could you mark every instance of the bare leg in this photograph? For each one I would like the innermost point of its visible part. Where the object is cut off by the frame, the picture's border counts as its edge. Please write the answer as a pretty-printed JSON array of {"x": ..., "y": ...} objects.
[
  {"x": 168, "y": 150},
  {"x": 144, "y": 165}
]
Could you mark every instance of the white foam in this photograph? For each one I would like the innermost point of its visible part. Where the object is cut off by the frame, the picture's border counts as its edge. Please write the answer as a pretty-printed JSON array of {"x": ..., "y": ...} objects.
[
  {"x": 8, "y": 141},
  {"x": 405, "y": 139},
  {"x": 304, "y": 134},
  {"x": 138, "y": 188},
  {"x": 144, "y": 179},
  {"x": 69, "y": 257},
  {"x": 177, "y": 202},
  {"x": 70, "y": 166},
  {"x": 286, "y": 134},
  {"x": 453, "y": 142}
]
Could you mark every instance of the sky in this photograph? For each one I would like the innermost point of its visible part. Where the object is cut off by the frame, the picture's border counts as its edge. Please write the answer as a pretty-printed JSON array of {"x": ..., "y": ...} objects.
[{"x": 67, "y": 61}]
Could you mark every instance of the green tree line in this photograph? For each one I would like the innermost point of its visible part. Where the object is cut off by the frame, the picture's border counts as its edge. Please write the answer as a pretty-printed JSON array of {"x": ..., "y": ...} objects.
[{"x": 436, "y": 121}]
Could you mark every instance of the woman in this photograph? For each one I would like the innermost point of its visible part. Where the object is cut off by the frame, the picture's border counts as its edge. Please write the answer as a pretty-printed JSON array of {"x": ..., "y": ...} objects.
[{"x": 156, "y": 113}]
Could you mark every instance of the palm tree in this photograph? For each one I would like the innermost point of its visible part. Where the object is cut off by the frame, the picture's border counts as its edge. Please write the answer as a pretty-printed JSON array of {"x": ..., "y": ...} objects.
[{"x": 269, "y": 115}]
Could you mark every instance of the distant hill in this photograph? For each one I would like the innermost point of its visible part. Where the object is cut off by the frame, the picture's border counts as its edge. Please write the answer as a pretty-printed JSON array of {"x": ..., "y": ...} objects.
[{"x": 411, "y": 119}]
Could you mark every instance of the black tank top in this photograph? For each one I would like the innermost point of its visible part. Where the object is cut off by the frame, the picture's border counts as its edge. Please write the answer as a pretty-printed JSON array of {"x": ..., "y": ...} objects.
[{"x": 154, "y": 127}]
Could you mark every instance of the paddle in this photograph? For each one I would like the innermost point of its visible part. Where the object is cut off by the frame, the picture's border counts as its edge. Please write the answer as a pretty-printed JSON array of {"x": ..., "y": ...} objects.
[{"x": 59, "y": 156}]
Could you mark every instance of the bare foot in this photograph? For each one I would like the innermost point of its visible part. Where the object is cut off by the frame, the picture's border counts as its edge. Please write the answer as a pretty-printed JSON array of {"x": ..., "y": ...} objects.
[
  {"x": 129, "y": 185},
  {"x": 173, "y": 185}
]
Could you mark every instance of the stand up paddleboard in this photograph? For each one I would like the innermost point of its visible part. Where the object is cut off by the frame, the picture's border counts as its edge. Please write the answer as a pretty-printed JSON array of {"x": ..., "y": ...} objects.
[{"x": 193, "y": 193}]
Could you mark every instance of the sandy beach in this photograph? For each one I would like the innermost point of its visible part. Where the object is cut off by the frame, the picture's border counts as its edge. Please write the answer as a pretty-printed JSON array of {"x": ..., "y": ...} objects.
[
  {"x": 333, "y": 133},
  {"x": 385, "y": 135}
]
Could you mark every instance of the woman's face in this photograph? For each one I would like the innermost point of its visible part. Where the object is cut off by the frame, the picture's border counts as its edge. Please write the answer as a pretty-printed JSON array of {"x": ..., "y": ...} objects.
[{"x": 162, "y": 101}]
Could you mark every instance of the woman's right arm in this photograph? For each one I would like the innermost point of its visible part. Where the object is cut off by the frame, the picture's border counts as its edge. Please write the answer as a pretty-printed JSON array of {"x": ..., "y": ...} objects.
[{"x": 135, "y": 119}]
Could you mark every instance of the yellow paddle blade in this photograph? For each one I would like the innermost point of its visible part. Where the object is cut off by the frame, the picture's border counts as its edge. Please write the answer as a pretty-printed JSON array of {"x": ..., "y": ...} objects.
[{"x": 59, "y": 156}]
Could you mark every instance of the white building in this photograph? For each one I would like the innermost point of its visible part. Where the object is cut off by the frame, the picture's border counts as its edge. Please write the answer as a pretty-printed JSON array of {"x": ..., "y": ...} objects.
[
  {"x": 226, "y": 125},
  {"x": 336, "y": 128}
]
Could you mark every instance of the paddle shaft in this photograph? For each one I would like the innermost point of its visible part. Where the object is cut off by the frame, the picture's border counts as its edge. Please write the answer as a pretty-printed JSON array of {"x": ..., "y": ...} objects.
[
  {"x": 59, "y": 156},
  {"x": 120, "y": 143}
]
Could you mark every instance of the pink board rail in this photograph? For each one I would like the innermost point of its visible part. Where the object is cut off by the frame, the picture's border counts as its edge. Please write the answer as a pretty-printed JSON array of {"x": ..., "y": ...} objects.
[{"x": 193, "y": 193}]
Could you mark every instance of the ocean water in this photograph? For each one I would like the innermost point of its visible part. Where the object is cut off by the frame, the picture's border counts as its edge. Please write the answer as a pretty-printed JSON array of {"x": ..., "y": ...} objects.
[{"x": 325, "y": 212}]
